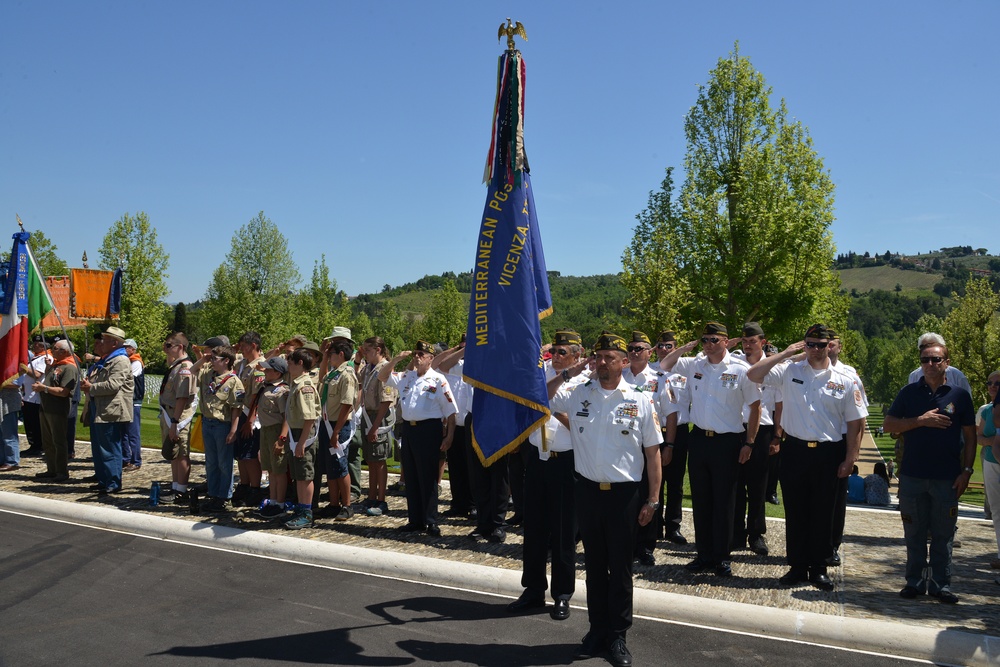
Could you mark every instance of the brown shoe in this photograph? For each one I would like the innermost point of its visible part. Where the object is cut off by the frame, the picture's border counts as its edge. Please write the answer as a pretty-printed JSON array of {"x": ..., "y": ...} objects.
[
  {"x": 130, "y": 468},
  {"x": 7, "y": 467}
]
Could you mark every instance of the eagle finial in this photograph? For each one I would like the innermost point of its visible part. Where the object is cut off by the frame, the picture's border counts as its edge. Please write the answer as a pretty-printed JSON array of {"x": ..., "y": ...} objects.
[
  {"x": 510, "y": 30},
  {"x": 19, "y": 223}
]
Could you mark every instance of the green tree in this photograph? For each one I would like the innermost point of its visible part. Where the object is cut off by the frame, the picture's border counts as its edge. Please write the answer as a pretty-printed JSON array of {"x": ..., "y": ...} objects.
[
  {"x": 132, "y": 244},
  {"x": 972, "y": 332},
  {"x": 180, "y": 318},
  {"x": 391, "y": 327},
  {"x": 753, "y": 239},
  {"x": 446, "y": 321},
  {"x": 44, "y": 250},
  {"x": 315, "y": 310},
  {"x": 253, "y": 288},
  {"x": 650, "y": 266}
]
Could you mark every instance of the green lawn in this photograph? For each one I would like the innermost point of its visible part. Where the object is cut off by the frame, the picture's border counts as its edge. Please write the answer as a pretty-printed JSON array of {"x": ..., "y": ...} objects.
[
  {"x": 886, "y": 278},
  {"x": 887, "y": 446}
]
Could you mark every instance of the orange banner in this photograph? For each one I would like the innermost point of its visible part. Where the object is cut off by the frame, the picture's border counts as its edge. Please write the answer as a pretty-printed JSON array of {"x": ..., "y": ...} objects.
[
  {"x": 59, "y": 290},
  {"x": 91, "y": 292}
]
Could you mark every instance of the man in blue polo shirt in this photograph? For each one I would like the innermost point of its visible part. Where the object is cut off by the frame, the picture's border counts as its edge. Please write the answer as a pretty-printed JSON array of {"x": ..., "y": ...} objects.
[{"x": 934, "y": 417}]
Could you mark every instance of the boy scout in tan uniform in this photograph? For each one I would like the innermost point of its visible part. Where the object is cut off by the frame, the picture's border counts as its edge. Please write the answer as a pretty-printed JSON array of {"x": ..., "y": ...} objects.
[
  {"x": 271, "y": 408},
  {"x": 301, "y": 414},
  {"x": 177, "y": 407}
]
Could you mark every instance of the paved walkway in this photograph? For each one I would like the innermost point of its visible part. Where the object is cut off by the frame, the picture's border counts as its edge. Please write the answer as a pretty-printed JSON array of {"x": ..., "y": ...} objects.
[{"x": 867, "y": 583}]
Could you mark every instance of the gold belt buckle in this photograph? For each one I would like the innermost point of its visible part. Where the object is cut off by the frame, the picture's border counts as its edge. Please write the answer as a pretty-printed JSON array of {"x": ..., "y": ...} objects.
[
  {"x": 553, "y": 455},
  {"x": 812, "y": 444},
  {"x": 413, "y": 423},
  {"x": 710, "y": 434},
  {"x": 605, "y": 486}
]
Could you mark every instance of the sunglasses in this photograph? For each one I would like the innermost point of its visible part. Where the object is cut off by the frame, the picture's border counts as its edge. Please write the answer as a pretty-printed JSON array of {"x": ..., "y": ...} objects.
[
  {"x": 665, "y": 346},
  {"x": 713, "y": 340},
  {"x": 817, "y": 345},
  {"x": 561, "y": 352},
  {"x": 637, "y": 348},
  {"x": 993, "y": 384},
  {"x": 931, "y": 360}
]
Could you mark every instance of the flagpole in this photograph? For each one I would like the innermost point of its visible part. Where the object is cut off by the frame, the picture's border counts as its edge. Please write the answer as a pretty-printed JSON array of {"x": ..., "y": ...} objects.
[{"x": 45, "y": 288}]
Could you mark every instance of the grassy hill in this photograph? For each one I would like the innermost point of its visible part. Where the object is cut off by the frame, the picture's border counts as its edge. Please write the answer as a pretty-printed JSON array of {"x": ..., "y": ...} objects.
[{"x": 886, "y": 278}]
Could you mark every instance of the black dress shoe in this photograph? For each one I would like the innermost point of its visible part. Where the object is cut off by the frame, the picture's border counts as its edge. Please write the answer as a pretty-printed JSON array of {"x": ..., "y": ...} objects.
[
  {"x": 528, "y": 600},
  {"x": 560, "y": 610},
  {"x": 794, "y": 576},
  {"x": 773, "y": 499},
  {"x": 946, "y": 597},
  {"x": 45, "y": 475},
  {"x": 758, "y": 545},
  {"x": 592, "y": 645},
  {"x": 676, "y": 537},
  {"x": 515, "y": 520},
  {"x": 497, "y": 536},
  {"x": 697, "y": 565},
  {"x": 618, "y": 654},
  {"x": 724, "y": 569},
  {"x": 834, "y": 560},
  {"x": 910, "y": 592},
  {"x": 645, "y": 557},
  {"x": 821, "y": 580},
  {"x": 410, "y": 528},
  {"x": 434, "y": 530}
]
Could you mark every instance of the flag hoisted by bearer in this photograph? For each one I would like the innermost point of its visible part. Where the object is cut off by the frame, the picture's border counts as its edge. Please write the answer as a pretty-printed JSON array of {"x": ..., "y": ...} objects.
[
  {"x": 26, "y": 302},
  {"x": 510, "y": 289}
]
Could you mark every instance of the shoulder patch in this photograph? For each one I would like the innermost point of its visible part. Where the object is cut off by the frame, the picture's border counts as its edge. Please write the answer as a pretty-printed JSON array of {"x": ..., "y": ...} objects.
[
  {"x": 184, "y": 371},
  {"x": 307, "y": 389}
]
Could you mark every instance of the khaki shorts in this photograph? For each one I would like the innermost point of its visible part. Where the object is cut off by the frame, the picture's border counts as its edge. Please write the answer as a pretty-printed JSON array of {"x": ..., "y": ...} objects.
[
  {"x": 171, "y": 451},
  {"x": 275, "y": 465},
  {"x": 303, "y": 469},
  {"x": 378, "y": 450}
]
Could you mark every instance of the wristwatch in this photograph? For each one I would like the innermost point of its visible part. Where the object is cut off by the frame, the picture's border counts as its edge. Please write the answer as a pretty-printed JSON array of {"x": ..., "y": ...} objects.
[
  {"x": 968, "y": 470},
  {"x": 653, "y": 506},
  {"x": 565, "y": 376}
]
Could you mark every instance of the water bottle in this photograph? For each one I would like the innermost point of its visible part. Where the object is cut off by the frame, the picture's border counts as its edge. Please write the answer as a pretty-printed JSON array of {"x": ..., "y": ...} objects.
[{"x": 154, "y": 494}]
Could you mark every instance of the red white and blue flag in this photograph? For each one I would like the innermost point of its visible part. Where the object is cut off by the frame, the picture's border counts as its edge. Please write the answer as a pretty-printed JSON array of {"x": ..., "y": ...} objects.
[{"x": 26, "y": 301}]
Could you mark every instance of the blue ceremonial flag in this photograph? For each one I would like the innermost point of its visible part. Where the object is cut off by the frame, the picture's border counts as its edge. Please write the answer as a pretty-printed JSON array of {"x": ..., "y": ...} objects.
[
  {"x": 115, "y": 295},
  {"x": 510, "y": 289}
]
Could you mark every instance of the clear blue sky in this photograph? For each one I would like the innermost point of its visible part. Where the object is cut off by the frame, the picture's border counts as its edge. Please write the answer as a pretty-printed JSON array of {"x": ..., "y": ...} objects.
[{"x": 361, "y": 128}]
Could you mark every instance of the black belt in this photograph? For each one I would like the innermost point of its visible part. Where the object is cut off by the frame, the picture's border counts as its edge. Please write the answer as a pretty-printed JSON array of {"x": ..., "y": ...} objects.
[
  {"x": 711, "y": 434},
  {"x": 811, "y": 444},
  {"x": 415, "y": 422},
  {"x": 604, "y": 486}
]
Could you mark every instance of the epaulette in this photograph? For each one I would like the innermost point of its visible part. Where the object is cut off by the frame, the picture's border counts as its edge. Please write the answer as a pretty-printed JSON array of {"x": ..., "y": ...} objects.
[{"x": 588, "y": 383}]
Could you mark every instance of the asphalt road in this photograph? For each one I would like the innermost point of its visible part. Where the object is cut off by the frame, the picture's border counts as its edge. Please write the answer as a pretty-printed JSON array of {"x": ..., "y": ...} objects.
[{"x": 72, "y": 595}]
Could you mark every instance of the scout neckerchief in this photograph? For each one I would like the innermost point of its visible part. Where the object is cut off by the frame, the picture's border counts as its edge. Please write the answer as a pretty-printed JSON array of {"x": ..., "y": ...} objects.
[
  {"x": 103, "y": 361},
  {"x": 219, "y": 380}
]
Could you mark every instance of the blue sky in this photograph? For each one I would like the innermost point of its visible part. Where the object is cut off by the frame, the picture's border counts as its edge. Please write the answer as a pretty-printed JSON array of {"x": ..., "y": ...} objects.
[{"x": 361, "y": 128}]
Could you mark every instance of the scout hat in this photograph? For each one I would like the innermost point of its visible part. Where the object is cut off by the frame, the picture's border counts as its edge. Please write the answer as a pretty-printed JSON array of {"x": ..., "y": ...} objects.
[
  {"x": 609, "y": 341},
  {"x": 423, "y": 346},
  {"x": 311, "y": 346},
  {"x": 216, "y": 341},
  {"x": 752, "y": 329},
  {"x": 115, "y": 332},
  {"x": 341, "y": 332},
  {"x": 275, "y": 363},
  {"x": 667, "y": 336},
  {"x": 715, "y": 329},
  {"x": 640, "y": 337},
  {"x": 818, "y": 331},
  {"x": 566, "y": 337}
]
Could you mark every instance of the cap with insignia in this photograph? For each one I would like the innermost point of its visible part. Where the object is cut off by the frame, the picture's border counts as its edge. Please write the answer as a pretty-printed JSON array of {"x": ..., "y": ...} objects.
[
  {"x": 834, "y": 335},
  {"x": 423, "y": 346},
  {"x": 752, "y": 329},
  {"x": 667, "y": 336},
  {"x": 715, "y": 329},
  {"x": 640, "y": 337},
  {"x": 818, "y": 331},
  {"x": 610, "y": 341},
  {"x": 567, "y": 337}
]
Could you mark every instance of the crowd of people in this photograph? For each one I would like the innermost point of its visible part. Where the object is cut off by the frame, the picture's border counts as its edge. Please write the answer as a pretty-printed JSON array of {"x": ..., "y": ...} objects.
[{"x": 607, "y": 468}]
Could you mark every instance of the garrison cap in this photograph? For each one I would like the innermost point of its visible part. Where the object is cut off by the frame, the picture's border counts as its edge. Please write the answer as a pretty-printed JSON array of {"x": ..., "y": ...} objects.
[
  {"x": 667, "y": 336},
  {"x": 609, "y": 341},
  {"x": 640, "y": 337},
  {"x": 752, "y": 329},
  {"x": 423, "y": 346},
  {"x": 715, "y": 328},
  {"x": 566, "y": 337},
  {"x": 818, "y": 331}
]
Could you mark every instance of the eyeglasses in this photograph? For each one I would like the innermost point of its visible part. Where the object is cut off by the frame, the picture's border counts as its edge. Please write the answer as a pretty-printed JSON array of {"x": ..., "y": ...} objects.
[
  {"x": 713, "y": 340},
  {"x": 931, "y": 360},
  {"x": 818, "y": 345},
  {"x": 167, "y": 346},
  {"x": 637, "y": 348},
  {"x": 664, "y": 346},
  {"x": 560, "y": 351}
]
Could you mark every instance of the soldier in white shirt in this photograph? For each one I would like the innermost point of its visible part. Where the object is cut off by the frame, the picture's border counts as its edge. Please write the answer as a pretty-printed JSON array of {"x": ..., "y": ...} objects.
[
  {"x": 425, "y": 402},
  {"x": 673, "y": 401},
  {"x": 615, "y": 432},
  {"x": 719, "y": 443},
  {"x": 549, "y": 504},
  {"x": 817, "y": 400}
]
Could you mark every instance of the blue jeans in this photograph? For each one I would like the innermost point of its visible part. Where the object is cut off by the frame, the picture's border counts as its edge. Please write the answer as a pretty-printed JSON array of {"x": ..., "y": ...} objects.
[
  {"x": 10, "y": 450},
  {"x": 218, "y": 458},
  {"x": 106, "y": 443},
  {"x": 131, "y": 440},
  {"x": 928, "y": 505}
]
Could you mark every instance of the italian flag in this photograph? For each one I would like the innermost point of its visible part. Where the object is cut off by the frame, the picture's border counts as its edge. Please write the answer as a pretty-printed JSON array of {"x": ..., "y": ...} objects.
[{"x": 26, "y": 301}]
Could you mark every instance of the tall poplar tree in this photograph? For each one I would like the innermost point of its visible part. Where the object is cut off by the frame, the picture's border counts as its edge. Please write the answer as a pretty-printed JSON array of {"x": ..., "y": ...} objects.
[{"x": 751, "y": 239}]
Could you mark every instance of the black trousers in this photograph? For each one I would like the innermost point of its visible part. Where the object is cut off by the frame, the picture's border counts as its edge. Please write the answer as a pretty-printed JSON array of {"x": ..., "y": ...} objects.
[
  {"x": 31, "y": 413},
  {"x": 773, "y": 466},
  {"x": 490, "y": 487},
  {"x": 808, "y": 489},
  {"x": 421, "y": 454},
  {"x": 713, "y": 464},
  {"x": 646, "y": 536},
  {"x": 673, "y": 481},
  {"x": 751, "y": 489},
  {"x": 458, "y": 472},
  {"x": 608, "y": 520},
  {"x": 549, "y": 522},
  {"x": 839, "y": 513},
  {"x": 515, "y": 475}
]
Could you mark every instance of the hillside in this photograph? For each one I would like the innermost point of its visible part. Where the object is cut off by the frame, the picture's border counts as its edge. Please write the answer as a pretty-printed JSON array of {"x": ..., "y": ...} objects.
[{"x": 886, "y": 278}]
